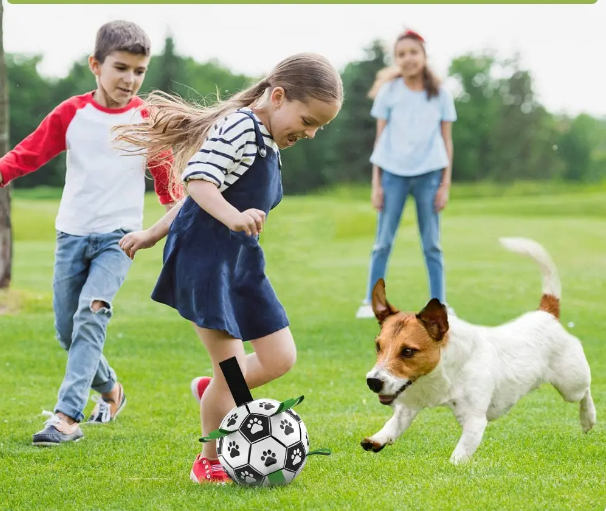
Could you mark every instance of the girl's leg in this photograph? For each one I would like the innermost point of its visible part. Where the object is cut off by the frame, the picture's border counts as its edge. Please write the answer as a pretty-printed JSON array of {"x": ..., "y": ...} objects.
[
  {"x": 396, "y": 189},
  {"x": 274, "y": 355},
  {"x": 217, "y": 399},
  {"x": 424, "y": 192}
]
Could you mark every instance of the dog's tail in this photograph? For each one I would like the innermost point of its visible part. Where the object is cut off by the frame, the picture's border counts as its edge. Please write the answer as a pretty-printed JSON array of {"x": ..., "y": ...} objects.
[{"x": 552, "y": 287}]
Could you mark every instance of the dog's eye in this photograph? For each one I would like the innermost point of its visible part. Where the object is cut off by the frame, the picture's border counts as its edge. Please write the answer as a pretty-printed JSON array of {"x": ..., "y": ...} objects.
[
  {"x": 408, "y": 352},
  {"x": 377, "y": 347}
]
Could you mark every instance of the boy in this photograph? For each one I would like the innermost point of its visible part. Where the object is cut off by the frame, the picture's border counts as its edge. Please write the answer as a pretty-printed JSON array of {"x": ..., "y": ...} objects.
[{"x": 102, "y": 200}]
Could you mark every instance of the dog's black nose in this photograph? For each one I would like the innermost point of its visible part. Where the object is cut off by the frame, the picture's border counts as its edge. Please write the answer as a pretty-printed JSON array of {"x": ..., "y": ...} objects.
[{"x": 374, "y": 384}]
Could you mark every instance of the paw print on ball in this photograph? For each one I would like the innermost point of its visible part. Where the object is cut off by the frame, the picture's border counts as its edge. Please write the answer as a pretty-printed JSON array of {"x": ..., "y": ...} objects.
[
  {"x": 232, "y": 419},
  {"x": 286, "y": 426},
  {"x": 285, "y": 429},
  {"x": 267, "y": 407},
  {"x": 295, "y": 455},
  {"x": 269, "y": 458},
  {"x": 255, "y": 427},
  {"x": 248, "y": 476},
  {"x": 233, "y": 449}
]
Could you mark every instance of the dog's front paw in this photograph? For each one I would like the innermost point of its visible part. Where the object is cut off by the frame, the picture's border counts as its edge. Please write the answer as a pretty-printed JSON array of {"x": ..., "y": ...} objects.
[{"x": 368, "y": 444}]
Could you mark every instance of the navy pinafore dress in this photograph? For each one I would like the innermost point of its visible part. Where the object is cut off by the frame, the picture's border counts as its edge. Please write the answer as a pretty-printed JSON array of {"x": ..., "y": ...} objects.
[{"x": 216, "y": 277}]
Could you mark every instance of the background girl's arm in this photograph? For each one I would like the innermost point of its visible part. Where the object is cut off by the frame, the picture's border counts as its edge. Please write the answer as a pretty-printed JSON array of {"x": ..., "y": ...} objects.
[
  {"x": 443, "y": 193},
  {"x": 447, "y": 136},
  {"x": 377, "y": 189}
]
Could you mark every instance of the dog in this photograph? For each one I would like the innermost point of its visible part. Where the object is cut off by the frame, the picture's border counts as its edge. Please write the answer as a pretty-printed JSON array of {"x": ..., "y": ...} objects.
[{"x": 430, "y": 359}]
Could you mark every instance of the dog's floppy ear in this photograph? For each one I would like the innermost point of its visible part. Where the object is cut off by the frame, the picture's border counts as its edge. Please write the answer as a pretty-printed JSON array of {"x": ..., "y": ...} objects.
[
  {"x": 434, "y": 319},
  {"x": 380, "y": 306}
]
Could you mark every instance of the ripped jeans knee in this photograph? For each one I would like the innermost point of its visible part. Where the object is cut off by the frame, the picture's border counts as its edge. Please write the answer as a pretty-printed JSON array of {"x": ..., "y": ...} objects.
[{"x": 100, "y": 306}]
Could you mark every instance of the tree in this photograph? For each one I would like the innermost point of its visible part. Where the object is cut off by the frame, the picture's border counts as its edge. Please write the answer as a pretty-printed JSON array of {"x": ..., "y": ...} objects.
[
  {"x": 354, "y": 129},
  {"x": 576, "y": 146},
  {"x": 477, "y": 106},
  {"x": 6, "y": 245},
  {"x": 32, "y": 97},
  {"x": 502, "y": 132},
  {"x": 341, "y": 151}
]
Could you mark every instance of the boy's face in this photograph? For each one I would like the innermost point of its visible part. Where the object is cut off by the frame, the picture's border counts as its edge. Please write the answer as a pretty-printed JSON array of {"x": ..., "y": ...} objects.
[{"x": 119, "y": 77}]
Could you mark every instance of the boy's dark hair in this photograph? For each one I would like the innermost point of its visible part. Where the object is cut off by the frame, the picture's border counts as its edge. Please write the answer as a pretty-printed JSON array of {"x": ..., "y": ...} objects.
[{"x": 121, "y": 36}]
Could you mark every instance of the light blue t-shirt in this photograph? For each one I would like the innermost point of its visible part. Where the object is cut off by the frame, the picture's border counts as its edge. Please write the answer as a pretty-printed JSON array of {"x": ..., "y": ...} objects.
[{"x": 411, "y": 143}]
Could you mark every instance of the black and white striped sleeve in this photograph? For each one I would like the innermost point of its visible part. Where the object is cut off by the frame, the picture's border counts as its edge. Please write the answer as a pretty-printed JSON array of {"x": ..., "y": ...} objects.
[{"x": 226, "y": 154}]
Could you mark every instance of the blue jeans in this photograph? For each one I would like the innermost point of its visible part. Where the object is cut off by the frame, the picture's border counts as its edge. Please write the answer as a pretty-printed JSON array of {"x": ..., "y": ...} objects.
[
  {"x": 87, "y": 269},
  {"x": 396, "y": 190}
]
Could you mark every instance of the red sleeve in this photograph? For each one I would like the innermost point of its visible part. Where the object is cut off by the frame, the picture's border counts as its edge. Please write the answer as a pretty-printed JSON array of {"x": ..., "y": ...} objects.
[
  {"x": 46, "y": 142},
  {"x": 160, "y": 169}
]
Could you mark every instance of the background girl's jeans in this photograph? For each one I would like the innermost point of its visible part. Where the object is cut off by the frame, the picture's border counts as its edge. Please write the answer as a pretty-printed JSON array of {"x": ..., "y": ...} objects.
[
  {"x": 87, "y": 269},
  {"x": 396, "y": 189}
]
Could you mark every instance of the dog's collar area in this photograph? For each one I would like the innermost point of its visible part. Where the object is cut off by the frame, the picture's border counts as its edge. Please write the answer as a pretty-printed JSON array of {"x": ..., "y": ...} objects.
[{"x": 403, "y": 388}]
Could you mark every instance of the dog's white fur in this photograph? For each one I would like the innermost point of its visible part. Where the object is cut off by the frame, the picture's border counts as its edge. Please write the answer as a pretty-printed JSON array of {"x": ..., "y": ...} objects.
[{"x": 484, "y": 371}]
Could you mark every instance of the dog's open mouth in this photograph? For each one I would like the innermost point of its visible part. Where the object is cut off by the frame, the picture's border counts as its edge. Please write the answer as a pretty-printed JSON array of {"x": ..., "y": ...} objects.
[{"x": 387, "y": 399}]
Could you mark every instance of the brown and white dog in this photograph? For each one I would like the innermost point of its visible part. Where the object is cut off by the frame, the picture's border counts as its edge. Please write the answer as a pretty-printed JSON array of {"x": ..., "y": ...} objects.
[{"x": 430, "y": 359}]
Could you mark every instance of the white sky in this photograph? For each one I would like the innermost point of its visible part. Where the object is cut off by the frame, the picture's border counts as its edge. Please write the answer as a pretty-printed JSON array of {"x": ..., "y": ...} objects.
[{"x": 563, "y": 45}]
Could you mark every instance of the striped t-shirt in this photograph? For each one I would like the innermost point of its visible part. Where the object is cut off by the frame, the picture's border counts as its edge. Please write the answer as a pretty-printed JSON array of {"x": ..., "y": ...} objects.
[{"x": 229, "y": 151}]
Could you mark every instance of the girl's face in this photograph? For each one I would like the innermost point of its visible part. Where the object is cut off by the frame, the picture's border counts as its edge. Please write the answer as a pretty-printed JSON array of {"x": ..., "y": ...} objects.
[
  {"x": 290, "y": 121},
  {"x": 410, "y": 57}
]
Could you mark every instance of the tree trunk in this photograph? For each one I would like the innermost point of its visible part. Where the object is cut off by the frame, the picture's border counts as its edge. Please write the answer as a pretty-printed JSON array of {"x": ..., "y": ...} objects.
[{"x": 6, "y": 245}]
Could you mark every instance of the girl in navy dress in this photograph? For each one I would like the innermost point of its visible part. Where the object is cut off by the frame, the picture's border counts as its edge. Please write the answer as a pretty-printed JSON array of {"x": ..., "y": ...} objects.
[{"x": 213, "y": 274}]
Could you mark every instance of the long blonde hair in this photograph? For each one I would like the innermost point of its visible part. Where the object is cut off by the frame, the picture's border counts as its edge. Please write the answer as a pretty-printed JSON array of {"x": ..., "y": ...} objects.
[
  {"x": 182, "y": 127},
  {"x": 431, "y": 83}
]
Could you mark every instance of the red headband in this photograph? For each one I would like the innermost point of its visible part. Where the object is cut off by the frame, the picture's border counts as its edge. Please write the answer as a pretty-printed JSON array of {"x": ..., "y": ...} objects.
[{"x": 413, "y": 34}]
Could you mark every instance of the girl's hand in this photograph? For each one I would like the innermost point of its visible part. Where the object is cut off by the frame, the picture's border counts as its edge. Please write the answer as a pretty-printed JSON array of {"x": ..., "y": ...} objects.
[
  {"x": 442, "y": 196},
  {"x": 250, "y": 221},
  {"x": 376, "y": 197},
  {"x": 134, "y": 241}
]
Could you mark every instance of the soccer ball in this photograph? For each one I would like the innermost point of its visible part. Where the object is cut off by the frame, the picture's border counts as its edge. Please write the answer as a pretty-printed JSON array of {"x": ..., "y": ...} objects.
[{"x": 263, "y": 448}]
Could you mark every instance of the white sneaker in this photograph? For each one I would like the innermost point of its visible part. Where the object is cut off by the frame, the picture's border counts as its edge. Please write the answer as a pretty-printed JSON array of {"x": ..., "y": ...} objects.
[{"x": 365, "y": 311}]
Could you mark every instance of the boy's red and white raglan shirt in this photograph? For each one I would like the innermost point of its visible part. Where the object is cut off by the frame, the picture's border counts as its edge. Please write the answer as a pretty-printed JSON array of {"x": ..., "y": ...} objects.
[{"x": 104, "y": 183}]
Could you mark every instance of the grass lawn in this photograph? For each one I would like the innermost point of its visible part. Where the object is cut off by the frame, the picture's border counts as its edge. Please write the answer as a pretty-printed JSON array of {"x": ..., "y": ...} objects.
[{"x": 317, "y": 250}]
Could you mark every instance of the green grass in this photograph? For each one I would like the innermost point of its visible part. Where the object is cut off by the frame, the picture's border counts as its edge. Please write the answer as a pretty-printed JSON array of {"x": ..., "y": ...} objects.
[{"x": 317, "y": 249}]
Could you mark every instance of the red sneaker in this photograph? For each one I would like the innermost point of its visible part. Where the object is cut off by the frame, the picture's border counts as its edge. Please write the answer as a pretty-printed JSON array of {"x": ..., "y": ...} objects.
[
  {"x": 208, "y": 471},
  {"x": 199, "y": 385}
]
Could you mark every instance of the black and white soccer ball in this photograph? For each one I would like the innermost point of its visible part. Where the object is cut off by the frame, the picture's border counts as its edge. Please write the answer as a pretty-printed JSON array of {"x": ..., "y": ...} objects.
[{"x": 263, "y": 448}]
